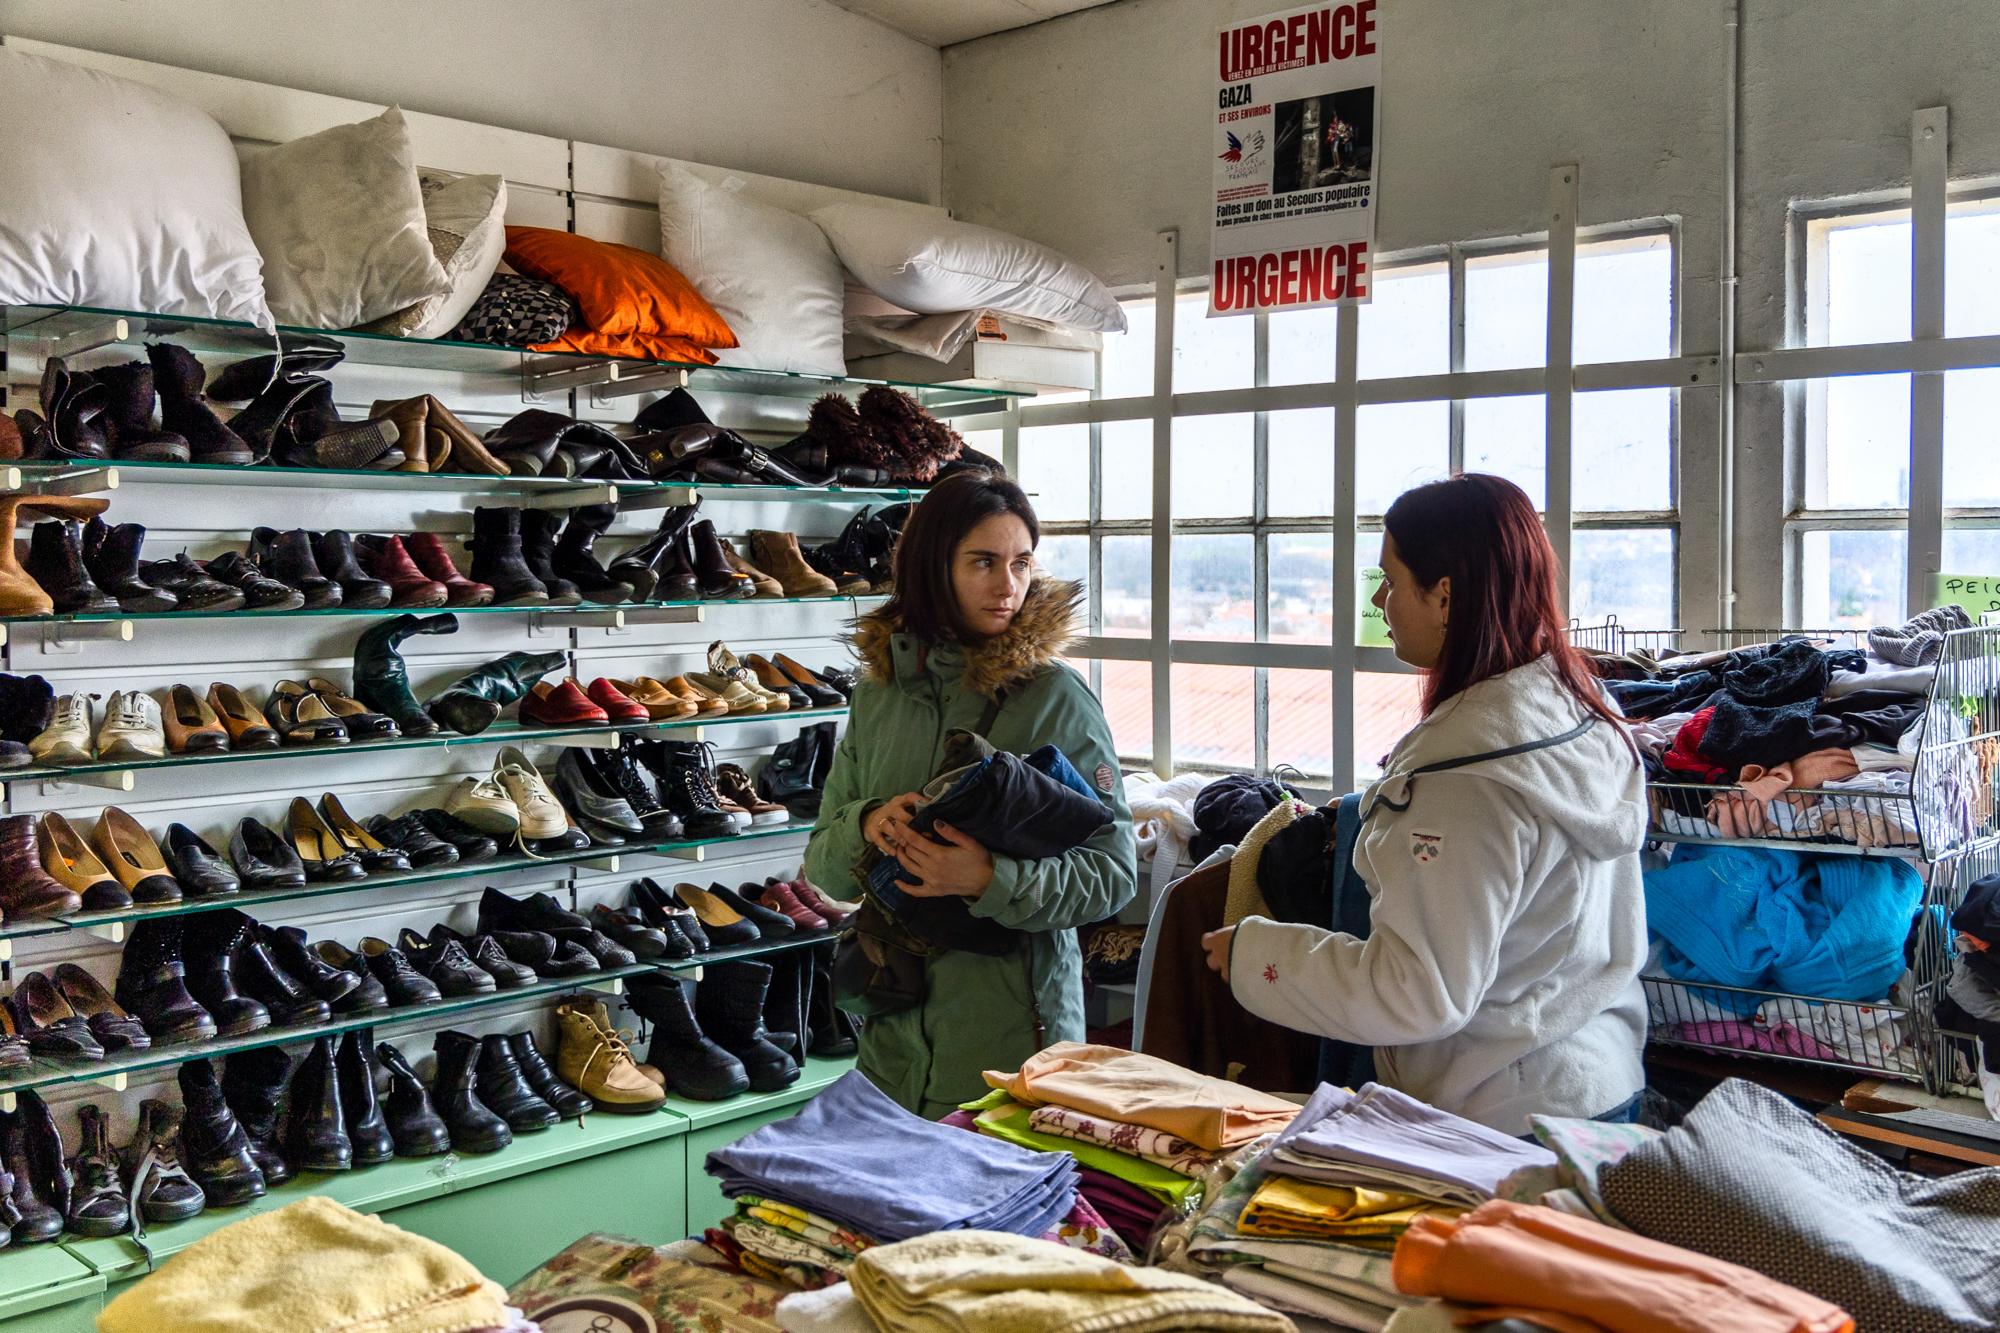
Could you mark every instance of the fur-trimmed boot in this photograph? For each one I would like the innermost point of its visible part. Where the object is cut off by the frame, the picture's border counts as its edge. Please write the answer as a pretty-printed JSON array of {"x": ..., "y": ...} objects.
[{"x": 919, "y": 443}]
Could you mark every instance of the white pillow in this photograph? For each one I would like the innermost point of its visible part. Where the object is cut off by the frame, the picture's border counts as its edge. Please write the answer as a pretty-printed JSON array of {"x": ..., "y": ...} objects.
[
  {"x": 768, "y": 272},
  {"x": 935, "y": 266},
  {"x": 467, "y": 220},
  {"x": 113, "y": 194},
  {"x": 340, "y": 220}
]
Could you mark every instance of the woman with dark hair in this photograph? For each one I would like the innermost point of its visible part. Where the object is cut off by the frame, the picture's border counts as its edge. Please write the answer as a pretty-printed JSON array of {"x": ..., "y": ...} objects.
[
  {"x": 1500, "y": 847},
  {"x": 971, "y": 640}
]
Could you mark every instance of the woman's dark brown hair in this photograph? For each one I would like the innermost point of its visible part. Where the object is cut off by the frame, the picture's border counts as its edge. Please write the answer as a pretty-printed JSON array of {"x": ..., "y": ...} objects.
[{"x": 925, "y": 604}]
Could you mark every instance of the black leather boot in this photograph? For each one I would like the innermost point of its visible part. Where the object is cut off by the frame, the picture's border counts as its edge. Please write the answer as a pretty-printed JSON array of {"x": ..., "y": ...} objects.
[
  {"x": 111, "y": 557},
  {"x": 687, "y": 787},
  {"x": 184, "y": 410},
  {"x": 211, "y": 975},
  {"x": 253, "y": 1084},
  {"x": 367, "y": 1126},
  {"x": 711, "y": 567},
  {"x": 498, "y": 561},
  {"x": 645, "y": 568},
  {"x": 40, "y": 1216},
  {"x": 27, "y": 707},
  {"x": 55, "y": 560},
  {"x": 160, "y": 1188},
  {"x": 128, "y": 414},
  {"x": 694, "y": 1066},
  {"x": 576, "y": 561},
  {"x": 569, "y": 1102},
  {"x": 261, "y": 976},
  {"x": 315, "y": 1121},
  {"x": 832, "y": 1034},
  {"x": 729, "y": 1002},
  {"x": 787, "y": 777},
  {"x": 97, "y": 1205},
  {"x": 288, "y": 557},
  {"x": 785, "y": 1002},
  {"x": 319, "y": 978},
  {"x": 334, "y": 553},
  {"x": 214, "y": 1149},
  {"x": 414, "y": 1124},
  {"x": 505, "y": 1089},
  {"x": 538, "y": 548},
  {"x": 474, "y": 1128},
  {"x": 152, "y": 984},
  {"x": 382, "y": 681},
  {"x": 470, "y": 704}
]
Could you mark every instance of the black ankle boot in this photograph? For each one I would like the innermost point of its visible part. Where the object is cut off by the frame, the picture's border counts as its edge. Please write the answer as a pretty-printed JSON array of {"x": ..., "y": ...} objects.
[
  {"x": 260, "y": 975},
  {"x": 319, "y": 978},
  {"x": 569, "y": 1102},
  {"x": 645, "y": 569},
  {"x": 367, "y": 1126},
  {"x": 27, "y": 707},
  {"x": 687, "y": 787},
  {"x": 833, "y": 1034},
  {"x": 214, "y": 1149},
  {"x": 111, "y": 556},
  {"x": 128, "y": 414},
  {"x": 211, "y": 975},
  {"x": 316, "y": 1124},
  {"x": 334, "y": 553},
  {"x": 40, "y": 1196},
  {"x": 414, "y": 1124},
  {"x": 474, "y": 1128},
  {"x": 55, "y": 560},
  {"x": 253, "y": 1085},
  {"x": 711, "y": 566},
  {"x": 161, "y": 1190},
  {"x": 538, "y": 548},
  {"x": 574, "y": 558},
  {"x": 152, "y": 984},
  {"x": 97, "y": 1205},
  {"x": 729, "y": 1002},
  {"x": 178, "y": 379},
  {"x": 470, "y": 705},
  {"x": 505, "y": 1089},
  {"x": 288, "y": 557},
  {"x": 694, "y": 1065},
  {"x": 498, "y": 561}
]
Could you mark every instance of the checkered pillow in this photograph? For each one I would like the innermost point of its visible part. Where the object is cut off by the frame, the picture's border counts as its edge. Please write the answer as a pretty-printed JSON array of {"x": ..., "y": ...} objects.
[{"x": 515, "y": 311}]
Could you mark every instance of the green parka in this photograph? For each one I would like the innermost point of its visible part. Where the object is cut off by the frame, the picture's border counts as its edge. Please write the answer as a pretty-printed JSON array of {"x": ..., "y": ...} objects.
[{"x": 978, "y": 1013}]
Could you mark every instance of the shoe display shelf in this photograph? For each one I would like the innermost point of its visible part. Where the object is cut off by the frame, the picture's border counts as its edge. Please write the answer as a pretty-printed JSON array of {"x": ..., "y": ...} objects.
[{"x": 762, "y": 948}]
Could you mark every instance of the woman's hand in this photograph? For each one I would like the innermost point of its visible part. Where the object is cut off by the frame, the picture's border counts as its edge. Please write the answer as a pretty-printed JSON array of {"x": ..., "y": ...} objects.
[
  {"x": 887, "y": 827},
  {"x": 955, "y": 868},
  {"x": 1216, "y": 943}
]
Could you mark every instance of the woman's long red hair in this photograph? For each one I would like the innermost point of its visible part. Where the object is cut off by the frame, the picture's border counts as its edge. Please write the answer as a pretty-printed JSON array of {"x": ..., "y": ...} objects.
[{"x": 1483, "y": 534}]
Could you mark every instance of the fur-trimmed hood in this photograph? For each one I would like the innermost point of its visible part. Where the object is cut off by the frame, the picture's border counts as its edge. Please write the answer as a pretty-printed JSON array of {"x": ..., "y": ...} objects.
[{"x": 1044, "y": 626}]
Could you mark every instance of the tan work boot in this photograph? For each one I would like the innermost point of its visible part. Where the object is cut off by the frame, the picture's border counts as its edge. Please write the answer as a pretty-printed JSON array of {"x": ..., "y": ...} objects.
[
  {"x": 777, "y": 553},
  {"x": 594, "y": 1059}
]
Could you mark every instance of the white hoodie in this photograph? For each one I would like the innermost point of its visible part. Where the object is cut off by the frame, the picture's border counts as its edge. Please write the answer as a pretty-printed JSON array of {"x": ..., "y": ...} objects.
[{"x": 1508, "y": 920}]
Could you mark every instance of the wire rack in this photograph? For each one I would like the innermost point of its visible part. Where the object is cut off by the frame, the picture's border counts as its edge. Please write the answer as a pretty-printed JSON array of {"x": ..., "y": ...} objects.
[{"x": 1886, "y": 1038}]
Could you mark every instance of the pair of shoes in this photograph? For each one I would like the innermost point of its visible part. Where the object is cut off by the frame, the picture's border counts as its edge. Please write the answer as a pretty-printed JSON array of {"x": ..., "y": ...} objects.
[
  {"x": 547, "y": 936},
  {"x": 595, "y": 1058},
  {"x": 119, "y": 866},
  {"x": 332, "y": 847},
  {"x": 687, "y": 560},
  {"x": 533, "y": 557},
  {"x": 779, "y": 553},
  {"x": 333, "y": 1118},
  {"x": 614, "y": 797},
  {"x": 433, "y": 439},
  {"x": 38, "y": 1186},
  {"x": 564, "y": 705},
  {"x": 486, "y": 1090},
  {"x": 662, "y": 702},
  {"x": 717, "y": 1046},
  {"x": 795, "y": 775},
  {"x": 861, "y": 559},
  {"x": 419, "y": 572},
  {"x": 426, "y": 835},
  {"x": 319, "y": 712},
  {"x": 885, "y": 429},
  {"x": 133, "y": 728},
  {"x": 805, "y": 688},
  {"x": 684, "y": 776},
  {"x": 71, "y": 1016},
  {"x": 799, "y": 901},
  {"x": 474, "y": 701},
  {"x": 725, "y": 665},
  {"x": 541, "y": 443},
  {"x": 291, "y": 418},
  {"x": 726, "y": 918},
  {"x": 513, "y": 799},
  {"x": 681, "y": 443},
  {"x": 220, "y": 974}
]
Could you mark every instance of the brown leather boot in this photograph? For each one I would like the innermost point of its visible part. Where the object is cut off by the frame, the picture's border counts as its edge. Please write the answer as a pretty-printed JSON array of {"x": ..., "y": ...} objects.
[
  {"x": 411, "y": 430},
  {"x": 20, "y": 595},
  {"x": 27, "y": 890},
  {"x": 449, "y": 444},
  {"x": 594, "y": 1060},
  {"x": 777, "y": 554},
  {"x": 766, "y": 585}
]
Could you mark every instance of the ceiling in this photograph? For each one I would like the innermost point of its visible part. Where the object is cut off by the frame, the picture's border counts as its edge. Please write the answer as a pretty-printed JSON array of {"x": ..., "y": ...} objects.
[{"x": 942, "y": 22}]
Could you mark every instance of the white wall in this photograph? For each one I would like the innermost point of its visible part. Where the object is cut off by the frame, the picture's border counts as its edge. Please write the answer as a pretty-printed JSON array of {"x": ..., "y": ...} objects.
[
  {"x": 795, "y": 88},
  {"x": 1090, "y": 133}
]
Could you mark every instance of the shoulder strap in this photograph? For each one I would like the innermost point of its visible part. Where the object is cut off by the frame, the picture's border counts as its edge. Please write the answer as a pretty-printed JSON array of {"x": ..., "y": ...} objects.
[{"x": 986, "y": 719}]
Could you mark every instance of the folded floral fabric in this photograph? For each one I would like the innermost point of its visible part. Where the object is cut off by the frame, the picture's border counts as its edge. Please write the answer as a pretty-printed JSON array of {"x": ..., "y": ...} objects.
[
  {"x": 1519, "y": 1257},
  {"x": 682, "y": 1287},
  {"x": 999, "y": 1116},
  {"x": 1175, "y": 1154},
  {"x": 1283, "y": 1207},
  {"x": 790, "y": 1217},
  {"x": 783, "y": 1246},
  {"x": 1382, "y": 1134},
  {"x": 1086, "y": 1229},
  {"x": 311, "y": 1265},
  {"x": 1137, "y": 1089},
  {"x": 977, "y": 1281},
  {"x": 1585, "y": 1147}
]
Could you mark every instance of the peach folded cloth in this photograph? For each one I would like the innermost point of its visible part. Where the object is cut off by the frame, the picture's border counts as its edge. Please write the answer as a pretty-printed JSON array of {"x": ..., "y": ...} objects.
[{"x": 1135, "y": 1089}]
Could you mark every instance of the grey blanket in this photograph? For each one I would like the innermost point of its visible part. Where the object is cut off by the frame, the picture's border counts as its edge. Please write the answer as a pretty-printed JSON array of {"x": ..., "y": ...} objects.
[{"x": 1751, "y": 1179}]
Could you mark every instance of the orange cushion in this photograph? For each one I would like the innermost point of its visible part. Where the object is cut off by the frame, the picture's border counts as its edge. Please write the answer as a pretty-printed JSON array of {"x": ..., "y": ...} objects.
[
  {"x": 621, "y": 290},
  {"x": 634, "y": 346}
]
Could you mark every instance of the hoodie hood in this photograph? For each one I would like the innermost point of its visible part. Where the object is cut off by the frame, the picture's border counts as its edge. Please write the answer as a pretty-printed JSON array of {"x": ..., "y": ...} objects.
[
  {"x": 1523, "y": 730},
  {"x": 1041, "y": 629}
]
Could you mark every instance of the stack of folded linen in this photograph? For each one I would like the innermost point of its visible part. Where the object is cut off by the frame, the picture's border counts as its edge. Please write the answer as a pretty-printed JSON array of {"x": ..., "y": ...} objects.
[{"x": 852, "y": 1169}]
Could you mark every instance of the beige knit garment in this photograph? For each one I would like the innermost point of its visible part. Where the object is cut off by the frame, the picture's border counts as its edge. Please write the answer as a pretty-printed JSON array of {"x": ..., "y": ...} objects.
[{"x": 1245, "y": 898}]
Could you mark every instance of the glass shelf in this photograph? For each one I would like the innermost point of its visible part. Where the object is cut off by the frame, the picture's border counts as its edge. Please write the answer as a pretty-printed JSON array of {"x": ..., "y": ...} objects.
[
  {"x": 45, "y": 1073},
  {"x": 593, "y": 609},
  {"x": 505, "y": 732},
  {"x": 700, "y": 844},
  {"x": 72, "y": 329},
  {"x": 757, "y": 950}
]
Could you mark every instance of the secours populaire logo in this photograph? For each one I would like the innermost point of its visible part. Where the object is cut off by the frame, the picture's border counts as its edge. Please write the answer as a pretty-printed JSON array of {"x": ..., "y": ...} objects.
[
  {"x": 1245, "y": 156},
  {"x": 1426, "y": 847}
]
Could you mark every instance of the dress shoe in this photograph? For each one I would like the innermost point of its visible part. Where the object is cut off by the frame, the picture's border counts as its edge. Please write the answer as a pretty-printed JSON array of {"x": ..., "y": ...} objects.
[
  {"x": 66, "y": 740},
  {"x": 729, "y": 1004},
  {"x": 382, "y": 680},
  {"x": 594, "y": 1059},
  {"x": 302, "y": 963},
  {"x": 569, "y": 1104},
  {"x": 778, "y": 554},
  {"x": 403, "y": 982},
  {"x": 97, "y": 1207},
  {"x": 575, "y": 560},
  {"x": 133, "y": 728},
  {"x": 31, "y": 1149},
  {"x": 543, "y": 953},
  {"x": 111, "y": 558},
  {"x": 724, "y": 926},
  {"x": 447, "y": 964},
  {"x": 414, "y": 1124},
  {"x": 362, "y": 722},
  {"x": 319, "y": 848},
  {"x": 214, "y": 1148},
  {"x": 823, "y": 692},
  {"x": 772, "y": 925},
  {"x": 499, "y": 562},
  {"x": 482, "y": 803},
  {"x": 247, "y": 727},
  {"x": 288, "y": 557},
  {"x": 489, "y": 956},
  {"x": 630, "y": 931},
  {"x": 303, "y": 718},
  {"x": 561, "y": 705},
  {"x": 291, "y": 1004},
  {"x": 152, "y": 984},
  {"x": 538, "y": 548},
  {"x": 739, "y": 697},
  {"x": 779, "y": 898},
  {"x": 133, "y": 856},
  {"x": 185, "y": 411},
  {"x": 772, "y": 681},
  {"x": 433, "y": 559},
  {"x": 471, "y": 704},
  {"x": 210, "y": 946},
  {"x": 253, "y": 1086},
  {"x": 692, "y": 1064},
  {"x": 472, "y": 845},
  {"x": 150, "y": 1168},
  {"x": 410, "y": 589},
  {"x": 734, "y": 785},
  {"x": 55, "y": 561},
  {"x": 661, "y": 704},
  {"x": 473, "y": 1127},
  {"x": 608, "y": 952},
  {"x": 114, "y": 1029},
  {"x": 239, "y": 583},
  {"x": 705, "y": 704},
  {"x": 197, "y": 867},
  {"x": 408, "y": 835},
  {"x": 660, "y": 909},
  {"x": 192, "y": 727},
  {"x": 316, "y": 1122},
  {"x": 264, "y": 861},
  {"x": 570, "y": 841},
  {"x": 333, "y": 551},
  {"x": 505, "y": 1090},
  {"x": 70, "y": 862},
  {"x": 538, "y": 911},
  {"x": 52, "y": 1028},
  {"x": 542, "y": 816},
  {"x": 592, "y": 799},
  {"x": 376, "y": 857},
  {"x": 366, "y": 998},
  {"x": 615, "y": 703}
]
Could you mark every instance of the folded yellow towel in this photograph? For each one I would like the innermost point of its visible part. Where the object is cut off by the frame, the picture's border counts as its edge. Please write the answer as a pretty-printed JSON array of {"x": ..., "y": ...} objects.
[
  {"x": 310, "y": 1267},
  {"x": 983, "y": 1281}
]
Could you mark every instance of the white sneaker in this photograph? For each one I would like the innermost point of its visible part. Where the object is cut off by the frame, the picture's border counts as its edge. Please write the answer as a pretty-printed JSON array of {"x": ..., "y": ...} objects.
[
  {"x": 542, "y": 815},
  {"x": 66, "y": 740},
  {"x": 132, "y": 727},
  {"x": 484, "y": 804}
]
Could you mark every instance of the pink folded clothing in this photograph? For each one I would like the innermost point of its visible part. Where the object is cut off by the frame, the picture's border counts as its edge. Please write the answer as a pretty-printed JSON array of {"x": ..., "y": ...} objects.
[
  {"x": 1156, "y": 1146},
  {"x": 1777, "y": 1039}
]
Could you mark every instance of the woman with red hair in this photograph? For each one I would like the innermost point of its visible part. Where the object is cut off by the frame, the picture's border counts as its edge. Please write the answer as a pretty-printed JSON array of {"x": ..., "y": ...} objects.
[{"x": 1500, "y": 847}]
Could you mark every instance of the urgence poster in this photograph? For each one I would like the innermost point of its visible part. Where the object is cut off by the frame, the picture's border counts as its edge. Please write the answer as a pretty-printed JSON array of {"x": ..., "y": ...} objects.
[{"x": 1296, "y": 115}]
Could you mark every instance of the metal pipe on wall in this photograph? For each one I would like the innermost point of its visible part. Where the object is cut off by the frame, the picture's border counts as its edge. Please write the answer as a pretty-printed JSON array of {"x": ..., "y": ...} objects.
[{"x": 1725, "y": 534}]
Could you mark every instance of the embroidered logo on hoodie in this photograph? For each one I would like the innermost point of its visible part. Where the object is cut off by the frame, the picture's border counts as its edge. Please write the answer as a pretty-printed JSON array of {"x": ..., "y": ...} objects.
[{"x": 1426, "y": 847}]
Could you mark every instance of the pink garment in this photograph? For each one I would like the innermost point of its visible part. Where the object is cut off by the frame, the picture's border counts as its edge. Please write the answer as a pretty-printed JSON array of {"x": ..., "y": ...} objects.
[
  {"x": 1747, "y": 813},
  {"x": 1778, "y": 1039}
]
